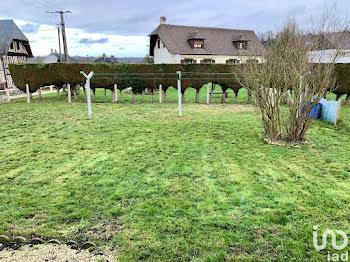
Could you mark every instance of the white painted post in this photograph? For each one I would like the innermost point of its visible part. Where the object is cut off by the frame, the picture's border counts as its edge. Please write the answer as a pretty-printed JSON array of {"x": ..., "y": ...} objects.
[
  {"x": 179, "y": 91},
  {"x": 160, "y": 93},
  {"x": 207, "y": 93},
  {"x": 69, "y": 94},
  {"x": 51, "y": 89},
  {"x": 116, "y": 93},
  {"x": 39, "y": 94},
  {"x": 8, "y": 94},
  {"x": 28, "y": 94},
  {"x": 87, "y": 86}
]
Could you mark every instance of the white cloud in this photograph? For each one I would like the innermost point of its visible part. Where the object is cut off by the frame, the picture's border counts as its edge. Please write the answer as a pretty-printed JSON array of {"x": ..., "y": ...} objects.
[{"x": 46, "y": 37}]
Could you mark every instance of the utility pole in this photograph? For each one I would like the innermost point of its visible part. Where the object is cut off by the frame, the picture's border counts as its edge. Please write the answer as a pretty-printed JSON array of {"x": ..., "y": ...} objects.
[
  {"x": 59, "y": 44},
  {"x": 63, "y": 31}
]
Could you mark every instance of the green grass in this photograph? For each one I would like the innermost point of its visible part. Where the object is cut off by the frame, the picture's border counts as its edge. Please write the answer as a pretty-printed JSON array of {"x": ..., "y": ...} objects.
[{"x": 201, "y": 188}]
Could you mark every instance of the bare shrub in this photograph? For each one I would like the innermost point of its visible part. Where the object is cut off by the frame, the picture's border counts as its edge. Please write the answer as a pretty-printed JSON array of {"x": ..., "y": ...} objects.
[{"x": 297, "y": 73}]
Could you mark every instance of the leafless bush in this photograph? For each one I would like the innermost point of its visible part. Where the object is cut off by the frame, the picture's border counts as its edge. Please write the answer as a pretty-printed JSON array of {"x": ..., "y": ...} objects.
[{"x": 297, "y": 73}]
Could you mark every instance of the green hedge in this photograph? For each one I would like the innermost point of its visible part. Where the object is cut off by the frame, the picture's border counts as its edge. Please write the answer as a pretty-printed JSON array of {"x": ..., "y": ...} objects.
[{"x": 38, "y": 75}]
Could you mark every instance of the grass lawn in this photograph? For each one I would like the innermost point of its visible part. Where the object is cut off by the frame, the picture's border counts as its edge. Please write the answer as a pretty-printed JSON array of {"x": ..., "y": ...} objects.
[{"x": 201, "y": 188}]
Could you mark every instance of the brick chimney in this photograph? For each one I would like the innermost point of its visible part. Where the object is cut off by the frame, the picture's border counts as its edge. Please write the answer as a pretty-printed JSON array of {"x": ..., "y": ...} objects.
[{"x": 162, "y": 20}]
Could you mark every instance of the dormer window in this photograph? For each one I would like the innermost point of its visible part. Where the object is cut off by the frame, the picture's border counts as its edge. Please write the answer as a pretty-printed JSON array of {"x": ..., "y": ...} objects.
[
  {"x": 241, "y": 44},
  {"x": 198, "y": 43},
  {"x": 158, "y": 43},
  {"x": 196, "y": 40}
]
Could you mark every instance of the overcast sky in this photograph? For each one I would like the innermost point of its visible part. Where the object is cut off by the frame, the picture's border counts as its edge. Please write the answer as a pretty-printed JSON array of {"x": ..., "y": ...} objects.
[{"x": 120, "y": 28}]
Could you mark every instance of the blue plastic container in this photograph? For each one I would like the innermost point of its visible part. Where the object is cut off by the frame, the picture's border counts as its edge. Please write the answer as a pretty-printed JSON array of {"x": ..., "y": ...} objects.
[{"x": 315, "y": 112}]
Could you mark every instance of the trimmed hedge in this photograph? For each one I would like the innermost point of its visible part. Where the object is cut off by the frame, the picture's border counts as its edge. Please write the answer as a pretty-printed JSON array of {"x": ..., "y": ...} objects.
[{"x": 38, "y": 75}]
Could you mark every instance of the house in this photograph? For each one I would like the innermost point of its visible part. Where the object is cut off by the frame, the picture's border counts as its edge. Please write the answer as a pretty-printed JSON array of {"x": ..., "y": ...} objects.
[
  {"x": 329, "y": 46},
  {"x": 105, "y": 59},
  {"x": 173, "y": 44},
  {"x": 14, "y": 48},
  {"x": 55, "y": 57}
]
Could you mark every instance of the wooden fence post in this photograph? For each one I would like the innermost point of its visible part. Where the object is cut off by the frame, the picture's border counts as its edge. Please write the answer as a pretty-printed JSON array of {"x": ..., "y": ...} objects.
[
  {"x": 115, "y": 92},
  {"x": 212, "y": 92},
  {"x": 132, "y": 97},
  {"x": 69, "y": 94},
  {"x": 143, "y": 96},
  {"x": 105, "y": 98},
  {"x": 8, "y": 94},
  {"x": 40, "y": 94},
  {"x": 121, "y": 96},
  {"x": 28, "y": 94},
  {"x": 160, "y": 93},
  {"x": 164, "y": 96},
  {"x": 208, "y": 95}
]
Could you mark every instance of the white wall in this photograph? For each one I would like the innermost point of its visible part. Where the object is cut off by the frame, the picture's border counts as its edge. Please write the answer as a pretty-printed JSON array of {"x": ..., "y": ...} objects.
[
  {"x": 50, "y": 59},
  {"x": 162, "y": 56}
]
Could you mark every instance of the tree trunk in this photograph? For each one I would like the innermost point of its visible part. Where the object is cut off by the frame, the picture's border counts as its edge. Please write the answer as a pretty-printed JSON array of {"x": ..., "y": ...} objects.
[
  {"x": 105, "y": 95},
  {"x": 152, "y": 95},
  {"x": 85, "y": 95},
  {"x": 143, "y": 96},
  {"x": 94, "y": 94},
  {"x": 338, "y": 97},
  {"x": 223, "y": 97},
  {"x": 58, "y": 93},
  {"x": 347, "y": 99},
  {"x": 236, "y": 96},
  {"x": 183, "y": 97},
  {"x": 197, "y": 95},
  {"x": 75, "y": 94},
  {"x": 249, "y": 96}
]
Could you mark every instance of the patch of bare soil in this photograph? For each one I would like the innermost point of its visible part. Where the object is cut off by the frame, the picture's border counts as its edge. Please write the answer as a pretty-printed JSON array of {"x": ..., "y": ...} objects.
[{"x": 51, "y": 252}]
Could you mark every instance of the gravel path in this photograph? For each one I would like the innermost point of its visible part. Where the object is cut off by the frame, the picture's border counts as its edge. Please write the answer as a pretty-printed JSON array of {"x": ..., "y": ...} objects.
[{"x": 50, "y": 252}]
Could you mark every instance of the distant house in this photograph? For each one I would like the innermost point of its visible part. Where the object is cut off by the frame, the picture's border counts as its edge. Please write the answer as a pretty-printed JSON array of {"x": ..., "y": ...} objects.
[
  {"x": 55, "y": 57},
  {"x": 14, "y": 48},
  {"x": 329, "y": 46},
  {"x": 174, "y": 44},
  {"x": 105, "y": 59}
]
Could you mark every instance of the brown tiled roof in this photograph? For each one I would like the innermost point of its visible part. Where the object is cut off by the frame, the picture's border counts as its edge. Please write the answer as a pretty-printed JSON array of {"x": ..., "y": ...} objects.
[{"x": 218, "y": 41}]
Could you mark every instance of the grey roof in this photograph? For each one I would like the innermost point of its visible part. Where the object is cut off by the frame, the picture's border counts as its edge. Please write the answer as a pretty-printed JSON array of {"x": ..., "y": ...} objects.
[
  {"x": 9, "y": 31},
  {"x": 58, "y": 55},
  {"x": 218, "y": 41},
  {"x": 339, "y": 40}
]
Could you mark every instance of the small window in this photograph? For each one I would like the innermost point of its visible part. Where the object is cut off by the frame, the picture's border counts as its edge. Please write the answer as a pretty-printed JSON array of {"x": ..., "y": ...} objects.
[
  {"x": 240, "y": 45},
  {"x": 233, "y": 61},
  {"x": 18, "y": 45},
  {"x": 158, "y": 43},
  {"x": 208, "y": 61},
  {"x": 11, "y": 46},
  {"x": 188, "y": 61},
  {"x": 252, "y": 61}
]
